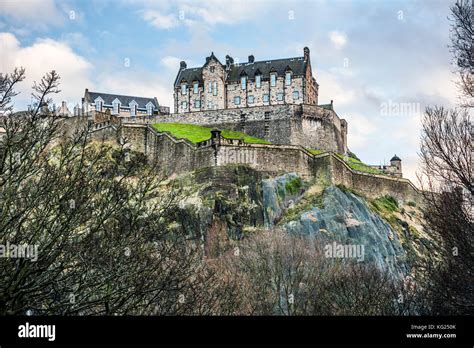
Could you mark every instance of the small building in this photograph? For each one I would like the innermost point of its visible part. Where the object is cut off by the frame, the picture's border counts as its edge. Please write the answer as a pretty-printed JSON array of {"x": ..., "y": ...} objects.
[
  {"x": 394, "y": 169},
  {"x": 239, "y": 85},
  {"x": 121, "y": 105}
]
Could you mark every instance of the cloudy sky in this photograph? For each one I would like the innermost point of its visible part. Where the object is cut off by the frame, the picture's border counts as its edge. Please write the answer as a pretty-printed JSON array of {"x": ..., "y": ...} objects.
[{"x": 381, "y": 62}]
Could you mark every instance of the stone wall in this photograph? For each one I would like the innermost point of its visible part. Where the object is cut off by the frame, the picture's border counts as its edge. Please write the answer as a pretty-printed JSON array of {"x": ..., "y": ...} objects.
[
  {"x": 179, "y": 156},
  {"x": 310, "y": 126}
]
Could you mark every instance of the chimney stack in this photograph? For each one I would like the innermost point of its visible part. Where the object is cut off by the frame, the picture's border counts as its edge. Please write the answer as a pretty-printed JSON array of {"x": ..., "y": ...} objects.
[
  {"x": 182, "y": 65},
  {"x": 306, "y": 54},
  {"x": 251, "y": 58}
]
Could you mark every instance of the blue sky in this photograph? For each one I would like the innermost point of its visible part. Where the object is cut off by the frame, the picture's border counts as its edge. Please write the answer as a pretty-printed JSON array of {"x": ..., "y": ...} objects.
[{"x": 382, "y": 62}]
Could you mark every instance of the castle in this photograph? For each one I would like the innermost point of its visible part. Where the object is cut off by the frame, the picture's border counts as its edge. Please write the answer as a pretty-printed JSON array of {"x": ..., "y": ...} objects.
[
  {"x": 274, "y": 100},
  {"x": 254, "y": 83}
]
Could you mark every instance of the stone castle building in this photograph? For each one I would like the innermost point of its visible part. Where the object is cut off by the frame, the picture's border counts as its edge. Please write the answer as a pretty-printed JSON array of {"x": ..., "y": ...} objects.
[
  {"x": 121, "y": 105},
  {"x": 231, "y": 85},
  {"x": 394, "y": 169}
]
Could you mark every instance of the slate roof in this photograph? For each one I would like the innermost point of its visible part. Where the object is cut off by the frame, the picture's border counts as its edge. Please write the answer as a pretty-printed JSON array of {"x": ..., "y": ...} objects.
[
  {"x": 297, "y": 65},
  {"x": 190, "y": 75},
  {"x": 124, "y": 99},
  {"x": 395, "y": 158}
]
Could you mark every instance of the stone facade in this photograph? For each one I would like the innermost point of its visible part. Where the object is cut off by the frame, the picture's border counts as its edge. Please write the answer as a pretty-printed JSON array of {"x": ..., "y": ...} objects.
[
  {"x": 310, "y": 126},
  {"x": 179, "y": 156},
  {"x": 120, "y": 105},
  {"x": 234, "y": 86}
]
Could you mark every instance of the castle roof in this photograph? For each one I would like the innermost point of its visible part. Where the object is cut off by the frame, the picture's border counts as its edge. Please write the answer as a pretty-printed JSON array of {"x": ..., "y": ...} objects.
[
  {"x": 296, "y": 65},
  {"x": 124, "y": 99},
  {"x": 395, "y": 158}
]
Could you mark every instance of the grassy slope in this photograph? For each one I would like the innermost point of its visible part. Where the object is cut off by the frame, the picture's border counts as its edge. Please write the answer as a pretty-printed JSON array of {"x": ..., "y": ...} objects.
[
  {"x": 196, "y": 134},
  {"x": 358, "y": 165}
]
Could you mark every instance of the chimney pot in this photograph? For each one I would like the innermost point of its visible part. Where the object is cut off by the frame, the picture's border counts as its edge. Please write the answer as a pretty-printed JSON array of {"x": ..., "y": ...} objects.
[{"x": 182, "y": 64}]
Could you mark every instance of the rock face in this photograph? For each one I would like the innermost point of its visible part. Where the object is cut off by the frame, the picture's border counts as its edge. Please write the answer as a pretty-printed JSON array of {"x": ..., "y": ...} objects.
[
  {"x": 342, "y": 219},
  {"x": 232, "y": 202}
]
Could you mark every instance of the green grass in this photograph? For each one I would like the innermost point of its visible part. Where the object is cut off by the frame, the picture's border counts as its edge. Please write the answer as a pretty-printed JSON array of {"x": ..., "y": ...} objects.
[
  {"x": 385, "y": 204},
  {"x": 294, "y": 186},
  {"x": 306, "y": 203},
  {"x": 358, "y": 165},
  {"x": 196, "y": 134},
  {"x": 315, "y": 152}
]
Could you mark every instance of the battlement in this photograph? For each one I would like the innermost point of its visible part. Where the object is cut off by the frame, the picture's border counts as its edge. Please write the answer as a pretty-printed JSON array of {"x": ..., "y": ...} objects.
[
  {"x": 310, "y": 126},
  {"x": 176, "y": 156}
]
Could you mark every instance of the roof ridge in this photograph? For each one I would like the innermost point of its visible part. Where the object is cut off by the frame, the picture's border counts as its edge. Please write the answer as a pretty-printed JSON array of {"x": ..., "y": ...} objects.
[{"x": 122, "y": 95}]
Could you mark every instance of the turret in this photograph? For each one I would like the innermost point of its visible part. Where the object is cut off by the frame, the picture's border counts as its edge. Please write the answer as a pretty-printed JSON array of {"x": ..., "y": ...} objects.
[{"x": 396, "y": 162}]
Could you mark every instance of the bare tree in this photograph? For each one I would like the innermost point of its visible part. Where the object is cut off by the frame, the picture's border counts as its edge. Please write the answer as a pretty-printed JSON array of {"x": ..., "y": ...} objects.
[
  {"x": 102, "y": 220},
  {"x": 462, "y": 46},
  {"x": 447, "y": 176},
  {"x": 446, "y": 147}
]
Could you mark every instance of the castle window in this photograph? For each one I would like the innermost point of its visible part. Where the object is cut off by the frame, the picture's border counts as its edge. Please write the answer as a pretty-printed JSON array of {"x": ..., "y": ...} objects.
[
  {"x": 209, "y": 90},
  {"x": 149, "y": 109},
  {"x": 273, "y": 80},
  {"x": 184, "y": 89},
  {"x": 280, "y": 96},
  {"x": 288, "y": 79},
  {"x": 209, "y": 105},
  {"x": 197, "y": 104},
  {"x": 258, "y": 81},
  {"x": 250, "y": 99},
  {"x": 296, "y": 95},
  {"x": 214, "y": 90},
  {"x": 237, "y": 100},
  {"x": 243, "y": 82},
  {"x": 98, "y": 105},
  {"x": 115, "y": 107},
  {"x": 265, "y": 98},
  {"x": 212, "y": 68},
  {"x": 184, "y": 106},
  {"x": 196, "y": 87},
  {"x": 133, "y": 110}
]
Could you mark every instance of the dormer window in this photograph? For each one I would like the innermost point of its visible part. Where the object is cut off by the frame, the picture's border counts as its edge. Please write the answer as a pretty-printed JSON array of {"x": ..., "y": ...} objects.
[
  {"x": 196, "y": 87},
  {"x": 149, "y": 109},
  {"x": 133, "y": 108},
  {"x": 98, "y": 104},
  {"x": 184, "y": 88},
  {"x": 116, "y": 107},
  {"x": 243, "y": 82},
  {"x": 258, "y": 81},
  {"x": 273, "y": 79},
  {"x": 288, "y": 78}
]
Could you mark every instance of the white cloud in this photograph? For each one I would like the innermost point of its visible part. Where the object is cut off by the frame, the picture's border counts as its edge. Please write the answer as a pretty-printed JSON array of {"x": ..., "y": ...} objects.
[
  {"x": 338, "y": 39},
  {"x": 37, "y": 13},
  {"x": 41, "y": 57},
  {"x": 159, "y": 20},
  {"x": 209, "y": 12},
  {"x": 171, "y": 63}
]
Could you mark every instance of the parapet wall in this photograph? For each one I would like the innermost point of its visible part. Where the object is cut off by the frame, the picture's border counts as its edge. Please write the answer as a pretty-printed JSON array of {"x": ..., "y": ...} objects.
[
  {"x": 310, "y": 126},
  {"x": 178, "y": 156}
]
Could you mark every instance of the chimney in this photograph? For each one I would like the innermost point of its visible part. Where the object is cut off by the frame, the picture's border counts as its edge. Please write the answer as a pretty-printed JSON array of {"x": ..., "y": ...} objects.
[
  {"x": 182, "y": 65},
  {"x": 306, "y": 54},
  {"x": 251, "y": 58},
  {"x": 228, "y": 61}
]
